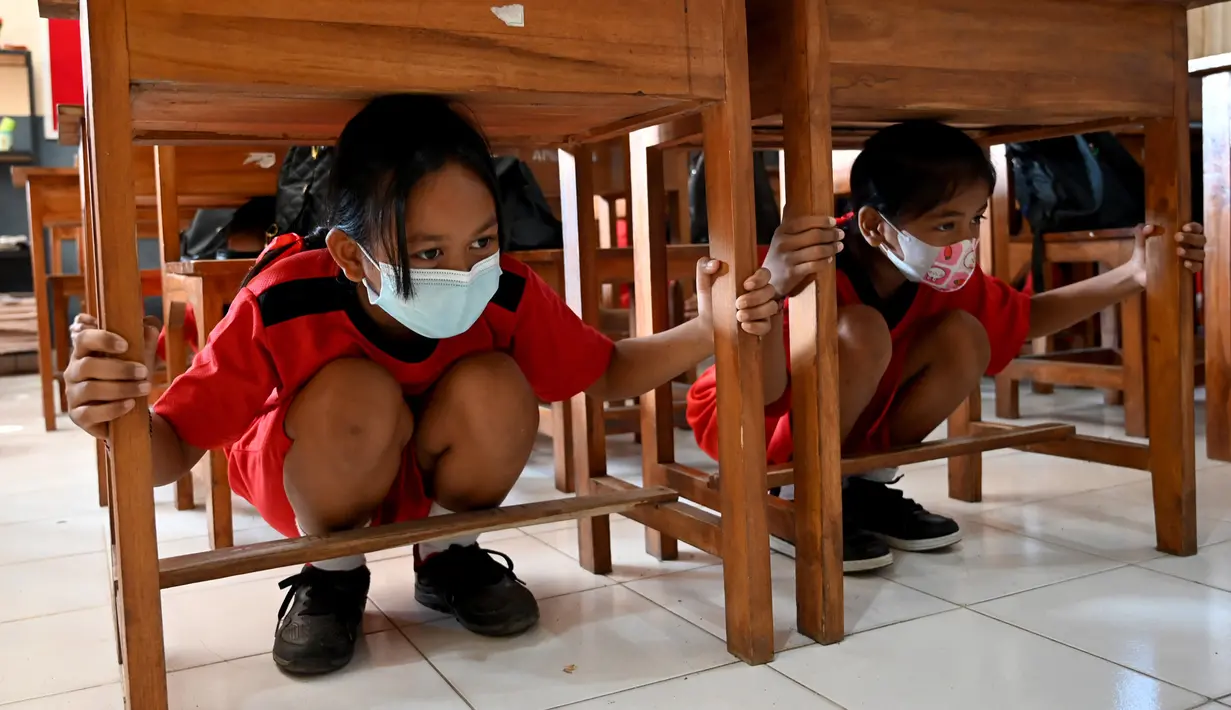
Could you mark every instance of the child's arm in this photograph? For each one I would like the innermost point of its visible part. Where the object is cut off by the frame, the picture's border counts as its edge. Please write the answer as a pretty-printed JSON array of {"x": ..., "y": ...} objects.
[
  {"x": 638, "y": 365},
  {"x": 209, "y": 406},
  {"x": 1053, "y": 311},
  {"x": 101, "y": 388},
  {"x": 799, "y": 247}
]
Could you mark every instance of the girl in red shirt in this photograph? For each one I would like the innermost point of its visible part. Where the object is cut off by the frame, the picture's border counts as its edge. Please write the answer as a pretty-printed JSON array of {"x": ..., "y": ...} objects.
[
  {"x": 384, "y": 369},
  {"x": 918, "y": 323}
]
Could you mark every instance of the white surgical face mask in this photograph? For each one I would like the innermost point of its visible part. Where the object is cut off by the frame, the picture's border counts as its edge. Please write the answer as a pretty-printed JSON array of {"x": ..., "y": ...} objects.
[
  {"x": 942, "y": 268},
  {"x": 445, "y": 303}
]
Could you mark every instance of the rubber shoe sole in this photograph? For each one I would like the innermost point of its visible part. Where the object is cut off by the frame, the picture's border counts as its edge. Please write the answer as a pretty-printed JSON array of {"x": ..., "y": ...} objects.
[
  {"x": 505, "y": 627},
  {"x": 927, "y": 545},
  {"x": 848, "y": 566}
]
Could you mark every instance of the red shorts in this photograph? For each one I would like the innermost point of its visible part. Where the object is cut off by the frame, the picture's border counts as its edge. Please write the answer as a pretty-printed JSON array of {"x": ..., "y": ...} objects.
[
  {"x": 255, "y": 470},
  {"x": 871, "y": 432}
]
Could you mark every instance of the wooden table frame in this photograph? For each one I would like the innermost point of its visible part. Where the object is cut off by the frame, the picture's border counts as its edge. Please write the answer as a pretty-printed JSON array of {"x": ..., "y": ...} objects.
[
  {"x": 820, "y": 86},
  {"x": 687, "y": 60}
]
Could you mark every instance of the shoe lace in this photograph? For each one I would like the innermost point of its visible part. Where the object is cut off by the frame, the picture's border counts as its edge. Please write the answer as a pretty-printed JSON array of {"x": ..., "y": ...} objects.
[
  {"x": 321, "y": 596},
  {"x": 879, "y": 496},
  {"x": 898, "y": 500}
]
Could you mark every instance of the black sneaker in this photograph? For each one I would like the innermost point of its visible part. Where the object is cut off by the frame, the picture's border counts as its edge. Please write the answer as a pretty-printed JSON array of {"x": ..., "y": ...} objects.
[
  {"x": 861, "y": 551},
  {"x": 320, "y": 619},
  {"x": 481, "y": 593},
  {"x": 901, "y": 522}
]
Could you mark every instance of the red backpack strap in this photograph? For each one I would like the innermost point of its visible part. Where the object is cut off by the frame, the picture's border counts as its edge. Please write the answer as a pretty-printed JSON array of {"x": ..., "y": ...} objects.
[{"x": 291, "y": 243}]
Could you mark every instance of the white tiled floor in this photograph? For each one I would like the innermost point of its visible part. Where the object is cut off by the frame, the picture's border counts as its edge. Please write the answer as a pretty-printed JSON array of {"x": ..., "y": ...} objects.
[{"x": 1055, "y": 600}]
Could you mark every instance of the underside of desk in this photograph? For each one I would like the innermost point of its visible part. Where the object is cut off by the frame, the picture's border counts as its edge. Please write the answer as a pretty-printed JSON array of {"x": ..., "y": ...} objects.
[
  {"x": 977, "y": 63},
  {"x": 572, "y": 71}
]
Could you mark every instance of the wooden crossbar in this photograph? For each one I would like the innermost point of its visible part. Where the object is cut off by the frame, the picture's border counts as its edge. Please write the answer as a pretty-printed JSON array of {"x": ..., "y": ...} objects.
[
  {"x": 1076, "y": 374},
  {"x": 699, "y": 528},
  {"x": 1007, "y": 438},
  {"x": 229, "y": 562},
  {"x": 1112, "y": 452}
]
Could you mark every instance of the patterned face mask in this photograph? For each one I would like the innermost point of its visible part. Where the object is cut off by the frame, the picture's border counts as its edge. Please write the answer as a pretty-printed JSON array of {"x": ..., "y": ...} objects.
[{"x": 943, "y": 268}]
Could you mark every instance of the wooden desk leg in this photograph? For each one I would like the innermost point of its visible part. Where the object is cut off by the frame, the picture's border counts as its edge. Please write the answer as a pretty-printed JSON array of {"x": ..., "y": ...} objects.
[
  {"x": 89, "y": 303},
  {"x": 218, "y": 493},
  {"x": 741, "y": 457},
  {"x": 104, "y": 41},
  {"x": 1133, "y": 327},
  {"x": 42, "y": 309},
  {"x": 59, "y": 315},
  {"x": 562, "y": 446},
  {"x": 57, "y": 250},
  {"x": 172, "y": 313},
  {"x": 1041, "y": 346},
  {"x": 1169, "y": 318},
  {"x": 966, "y": 472},
  {"x": 649, "y": 238},
  {"x": 1216, "y": 132},
  {"x": 583, "y": 294},
  {"x": 994, "y": 244}
]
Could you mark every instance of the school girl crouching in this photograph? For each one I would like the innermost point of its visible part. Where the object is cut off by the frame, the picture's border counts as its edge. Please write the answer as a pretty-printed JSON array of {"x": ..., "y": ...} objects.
[
  {"x": 384, "y": 369},
  {"x": 919, "y": 324}
]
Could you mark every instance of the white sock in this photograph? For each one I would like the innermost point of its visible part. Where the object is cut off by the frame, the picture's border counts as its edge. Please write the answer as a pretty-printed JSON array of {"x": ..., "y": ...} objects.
[
  {"x": 787, "y": 492},
  {"x": 882, "y": 475},
  {"x": 338, "y": 564},
  {"x": 427, "y": 549}
]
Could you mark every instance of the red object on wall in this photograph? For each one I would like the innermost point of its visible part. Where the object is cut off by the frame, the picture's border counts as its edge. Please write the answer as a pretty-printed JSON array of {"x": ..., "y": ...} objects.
[{"x": 64, "y": 45}]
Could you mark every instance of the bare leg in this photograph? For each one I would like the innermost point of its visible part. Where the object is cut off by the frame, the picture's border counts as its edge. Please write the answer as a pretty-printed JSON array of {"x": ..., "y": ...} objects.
[
  {"x": 473, "y": 441},
  {"x": 349, "y": 427},
  {"x": 946, "y": 359}
]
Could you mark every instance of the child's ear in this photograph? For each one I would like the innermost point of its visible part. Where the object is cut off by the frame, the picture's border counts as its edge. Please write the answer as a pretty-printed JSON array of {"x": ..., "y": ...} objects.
[
  {"x": 346, "y": 252},
  {"x": 870, "y": 222}
]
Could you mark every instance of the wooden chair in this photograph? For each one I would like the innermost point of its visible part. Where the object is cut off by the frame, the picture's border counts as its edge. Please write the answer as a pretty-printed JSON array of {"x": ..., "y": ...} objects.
[
  {"x": 272, "y": 84},
  {"x": 1117, "y": 366},
  {"x": 53, "y": 200},
  {"x": 831, "y": 90}
]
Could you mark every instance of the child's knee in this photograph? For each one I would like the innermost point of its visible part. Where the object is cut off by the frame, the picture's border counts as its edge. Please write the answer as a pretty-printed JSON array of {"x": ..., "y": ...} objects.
[
  {"x": 487, "y": 394},
  {"x": 353, "y": 410},
  {"x": 864, "y": 339},
  {"x": 965, "y": 341}
]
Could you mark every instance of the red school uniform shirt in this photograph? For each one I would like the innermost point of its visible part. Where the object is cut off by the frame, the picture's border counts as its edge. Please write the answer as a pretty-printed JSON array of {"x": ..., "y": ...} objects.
[
  {"x": 1003, "y": 311},
  {"x": 300, "y": 313}
]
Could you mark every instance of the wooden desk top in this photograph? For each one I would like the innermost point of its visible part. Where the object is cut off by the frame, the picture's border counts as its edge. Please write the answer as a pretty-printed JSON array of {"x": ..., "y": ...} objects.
[{"x": 291, "y": 73}]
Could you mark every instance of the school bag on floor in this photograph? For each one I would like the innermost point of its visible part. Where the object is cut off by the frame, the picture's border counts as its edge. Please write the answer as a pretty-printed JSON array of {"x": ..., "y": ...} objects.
[
  {"x": 209, "y": 234},
  {"x": 1075, "y": 183}
]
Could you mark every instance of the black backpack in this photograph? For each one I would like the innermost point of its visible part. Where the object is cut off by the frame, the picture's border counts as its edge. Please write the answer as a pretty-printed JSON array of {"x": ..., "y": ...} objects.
[
  {"x": 766, "y": 205},
  {"x": 302, "y": 204},
  {"x": 528, "y": 220},
  {"x": 1075, "y": 183},
  {"x": 208, "y": 235}
]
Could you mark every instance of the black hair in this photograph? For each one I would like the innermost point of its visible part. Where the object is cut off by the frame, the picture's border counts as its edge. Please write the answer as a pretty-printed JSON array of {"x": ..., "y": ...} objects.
[
  {"x": 908, "y": 169},
  {"x": 382, "y": 154}
]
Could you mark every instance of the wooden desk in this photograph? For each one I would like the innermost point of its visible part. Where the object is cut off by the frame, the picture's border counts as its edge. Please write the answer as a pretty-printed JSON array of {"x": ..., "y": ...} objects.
[
  {"x": 568, "y": 75},
  {"x": 825, "y": 74}
]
